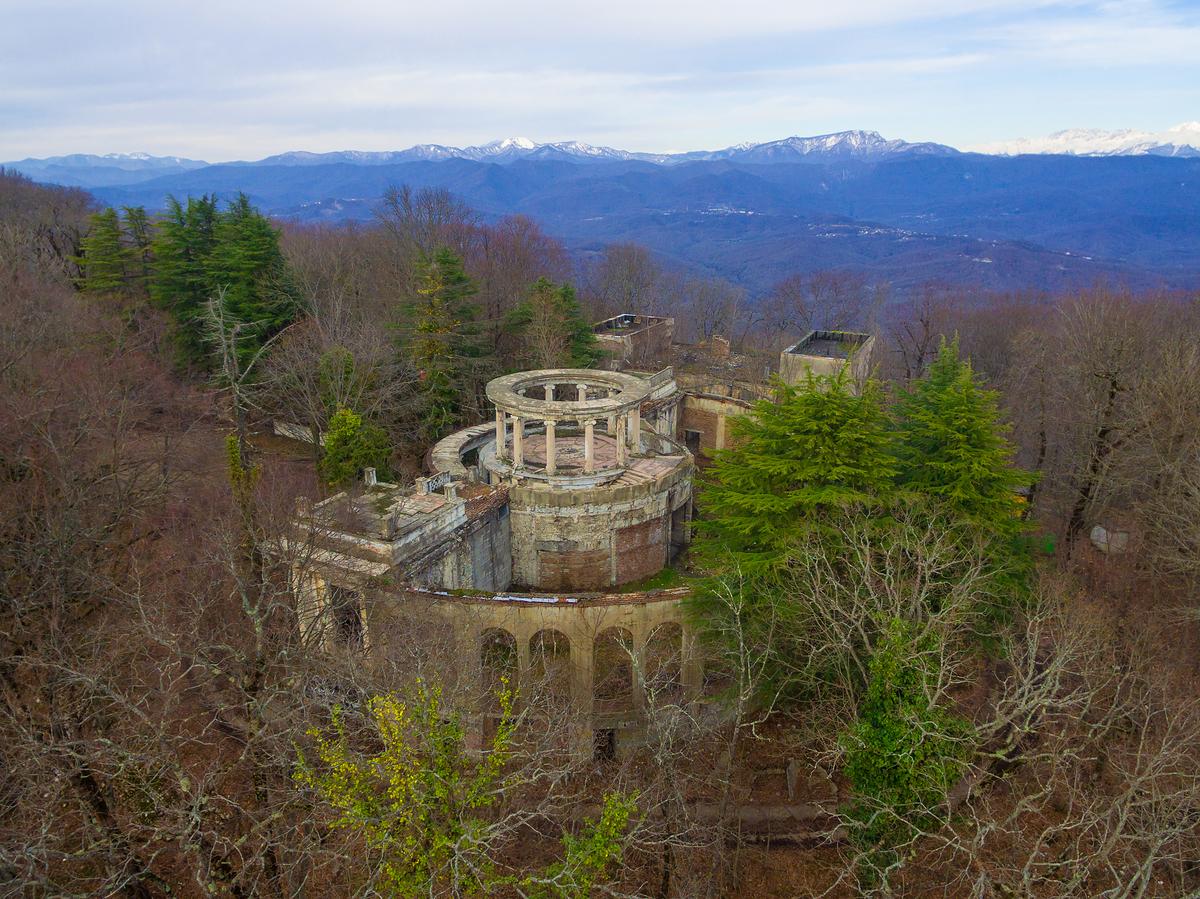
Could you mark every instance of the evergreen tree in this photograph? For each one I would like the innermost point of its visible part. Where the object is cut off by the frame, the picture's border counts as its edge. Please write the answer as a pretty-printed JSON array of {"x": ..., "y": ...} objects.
[
  {"x": 248, "y": 264},
  {"x": 903, "y": 753},
  {"x": 139, "y": 235},
  {"x": 200, "y": 251},
  {"x": 443, "y": 338},
  {"x": 104, "y": 259},
  {"x": 819, "y": 449},
  {"x": 552, "y": 328},
  {"x": 183, "y": 242},
  {"x": 951, "y": 446},
  {"x": 352, "y": 445}
]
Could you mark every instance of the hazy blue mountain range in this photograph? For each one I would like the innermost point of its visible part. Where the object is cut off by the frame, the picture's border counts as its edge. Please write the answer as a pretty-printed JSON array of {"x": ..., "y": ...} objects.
[{"x": 902, "y": 212}]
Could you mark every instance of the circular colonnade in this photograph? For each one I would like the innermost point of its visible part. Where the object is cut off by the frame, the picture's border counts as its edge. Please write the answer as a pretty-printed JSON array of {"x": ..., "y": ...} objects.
[{"x": 550, "y": 399}]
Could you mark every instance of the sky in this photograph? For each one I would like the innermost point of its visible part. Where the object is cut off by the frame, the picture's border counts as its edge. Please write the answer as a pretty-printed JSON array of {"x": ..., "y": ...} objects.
[{"x": 218, "y": 80}]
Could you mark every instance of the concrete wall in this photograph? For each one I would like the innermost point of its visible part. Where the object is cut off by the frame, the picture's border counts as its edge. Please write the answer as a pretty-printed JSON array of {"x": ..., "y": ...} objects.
[
  {"x": 591, "y": 538},
  {"x": 478, "y": 556},
  {"x": 649, "y": 340},
  {"x": 710, "y": 416},
  {"x": 588, "y": 624},
  {"x": 794, "y": 367}
]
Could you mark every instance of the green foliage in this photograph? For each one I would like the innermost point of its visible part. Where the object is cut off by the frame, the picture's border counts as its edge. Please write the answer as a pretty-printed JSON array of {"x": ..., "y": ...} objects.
[
  {"x": 247, "y": 263},
  {"x": 425, "y": 804},
  {"x": 418, "y": 799},
  {"x": 951, "y": 446},
  {"x": 352, "y": 445},
  {"x": 903, "y": 753},
  {"x": 589, "y": 857},
  {"x": 139, "y": 234},
  {"x": 335, "y": 369},
  {"x": 443, "y": 338},
  {"x": 104, "y": 259},
  {"x": 183, "y": 243},
  {"x": 552, "y": 328},
  {"x": 797, "y": 464},
  {"x": 243, "y": 478},
  {"x": 951, "y": 449},
  {"x": 199, "y": 250}
]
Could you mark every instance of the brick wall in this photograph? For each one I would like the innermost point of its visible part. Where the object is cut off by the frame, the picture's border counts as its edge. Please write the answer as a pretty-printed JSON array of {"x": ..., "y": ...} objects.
[
  {"x": 694, "y": 419},
  {"x": 567, "y": 569},
  {"x": 641, "y": 549}
]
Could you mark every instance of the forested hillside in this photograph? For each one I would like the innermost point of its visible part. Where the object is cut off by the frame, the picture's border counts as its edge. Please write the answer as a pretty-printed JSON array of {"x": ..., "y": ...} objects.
[
  {"x": 983, "y": 222},
  {"x": 925, "y": 673}
]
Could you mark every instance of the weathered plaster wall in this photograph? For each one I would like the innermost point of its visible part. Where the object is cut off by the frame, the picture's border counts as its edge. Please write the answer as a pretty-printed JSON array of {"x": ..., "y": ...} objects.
[
  {"x": 479, "y": 557},
  {"x": 639, "y": 619},
  {"x": 710, "y": 415},
  {"x": 588, "y": 539}
]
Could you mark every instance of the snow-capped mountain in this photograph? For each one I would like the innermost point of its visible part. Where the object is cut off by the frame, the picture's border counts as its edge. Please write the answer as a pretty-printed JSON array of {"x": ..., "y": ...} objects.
[
  {"x": 506, "y": 150},
  {"x": 863, "y": 145},
  {"x": 92, "y": 170},
  {"x": 126, "y": 162},
  {"x": 1182, "y": 140}
]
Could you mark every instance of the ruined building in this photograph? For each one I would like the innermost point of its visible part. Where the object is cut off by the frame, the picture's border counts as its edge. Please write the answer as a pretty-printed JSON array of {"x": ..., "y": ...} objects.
[{"x": 528, "y": 528}]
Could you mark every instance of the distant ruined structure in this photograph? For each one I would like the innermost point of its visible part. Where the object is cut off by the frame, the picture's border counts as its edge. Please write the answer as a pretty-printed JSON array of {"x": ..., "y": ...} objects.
[{"x": 527, "y": 527}]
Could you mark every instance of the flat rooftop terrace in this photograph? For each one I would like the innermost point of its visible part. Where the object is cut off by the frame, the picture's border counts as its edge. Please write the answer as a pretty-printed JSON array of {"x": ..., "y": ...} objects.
[
  {"x": 627, "y": 323},
  {"x": 828, "y": 344}
]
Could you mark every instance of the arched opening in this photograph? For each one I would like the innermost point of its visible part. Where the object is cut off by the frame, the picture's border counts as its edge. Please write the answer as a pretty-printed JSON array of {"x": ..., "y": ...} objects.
[
  {"x": 499, "y": 664},
  {"x": 549, "y": 681},
  {"x": 612, "y": 671},
  {"x": 664, "y": 663},
  {"x": 498, "y": 659}
]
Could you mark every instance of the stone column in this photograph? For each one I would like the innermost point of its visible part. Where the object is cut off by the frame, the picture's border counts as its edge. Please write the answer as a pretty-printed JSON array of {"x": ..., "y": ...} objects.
[
  {"x": 524, "y": 666},
  {"x": 637, "y": 665},
  {"x": 518, "y": 429},
  {"x": 501, "y": 436},
  {"x": 719, "y": 439},
  {"x": 551, "y": 450},
  {"x": 550, "y": 393},
  {"x": 589, "y": 446},
  {"x": 635, "y": 429},
  {"x": 582, "y": 388},
  {"x": 622, "y": 449},
  {"x": 582, "y": 695}
]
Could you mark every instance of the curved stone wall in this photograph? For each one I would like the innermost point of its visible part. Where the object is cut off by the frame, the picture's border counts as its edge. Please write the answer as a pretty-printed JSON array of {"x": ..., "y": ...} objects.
[
  {"x": 597, "y": 537},
  {"x": 648, "y": 628}
]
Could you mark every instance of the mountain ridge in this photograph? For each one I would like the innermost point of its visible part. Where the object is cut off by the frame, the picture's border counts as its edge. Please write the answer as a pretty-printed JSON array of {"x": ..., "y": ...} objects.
[{"x": 92, "y": 170}]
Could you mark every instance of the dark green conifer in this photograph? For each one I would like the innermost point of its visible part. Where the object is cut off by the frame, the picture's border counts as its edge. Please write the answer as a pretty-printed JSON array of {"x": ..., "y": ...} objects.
[
  {"x": 951, "y": 447},
  {"x": 104, "y": 259},
  {"x": 552, "y": 328},
  {"x": 797, "y": 463},
  {"x": 442, "y": 338}
]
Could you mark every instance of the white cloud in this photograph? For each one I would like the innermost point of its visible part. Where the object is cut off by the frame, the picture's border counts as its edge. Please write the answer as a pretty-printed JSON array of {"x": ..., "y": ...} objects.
[{"x": 222, "y": 79}]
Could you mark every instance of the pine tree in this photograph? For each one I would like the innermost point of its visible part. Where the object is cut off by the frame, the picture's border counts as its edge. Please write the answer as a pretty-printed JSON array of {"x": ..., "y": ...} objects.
[
  {"x": 247, "y": 263},
  {"x": 443, "y": 338},
  {"x": 951, "y": 447},
  {"x": 183, "y": 242},
  {"x": 552, "y": 328},
  {"x": 104, "y": 259},
  {"x": 818, "y": 450},
  {"x": 200, "y": 251},
  {"x": 139, "y": 234}
]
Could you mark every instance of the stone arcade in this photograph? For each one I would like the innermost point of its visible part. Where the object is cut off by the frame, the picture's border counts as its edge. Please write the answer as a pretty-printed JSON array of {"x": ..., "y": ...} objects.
[
  {"x": 576, "y": 488},
  {"x": 525, "y": 526}
]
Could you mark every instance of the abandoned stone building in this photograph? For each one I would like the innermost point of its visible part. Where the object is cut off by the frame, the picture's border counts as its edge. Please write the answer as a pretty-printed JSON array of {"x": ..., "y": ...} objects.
[{"x": 530, "y": 533}]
